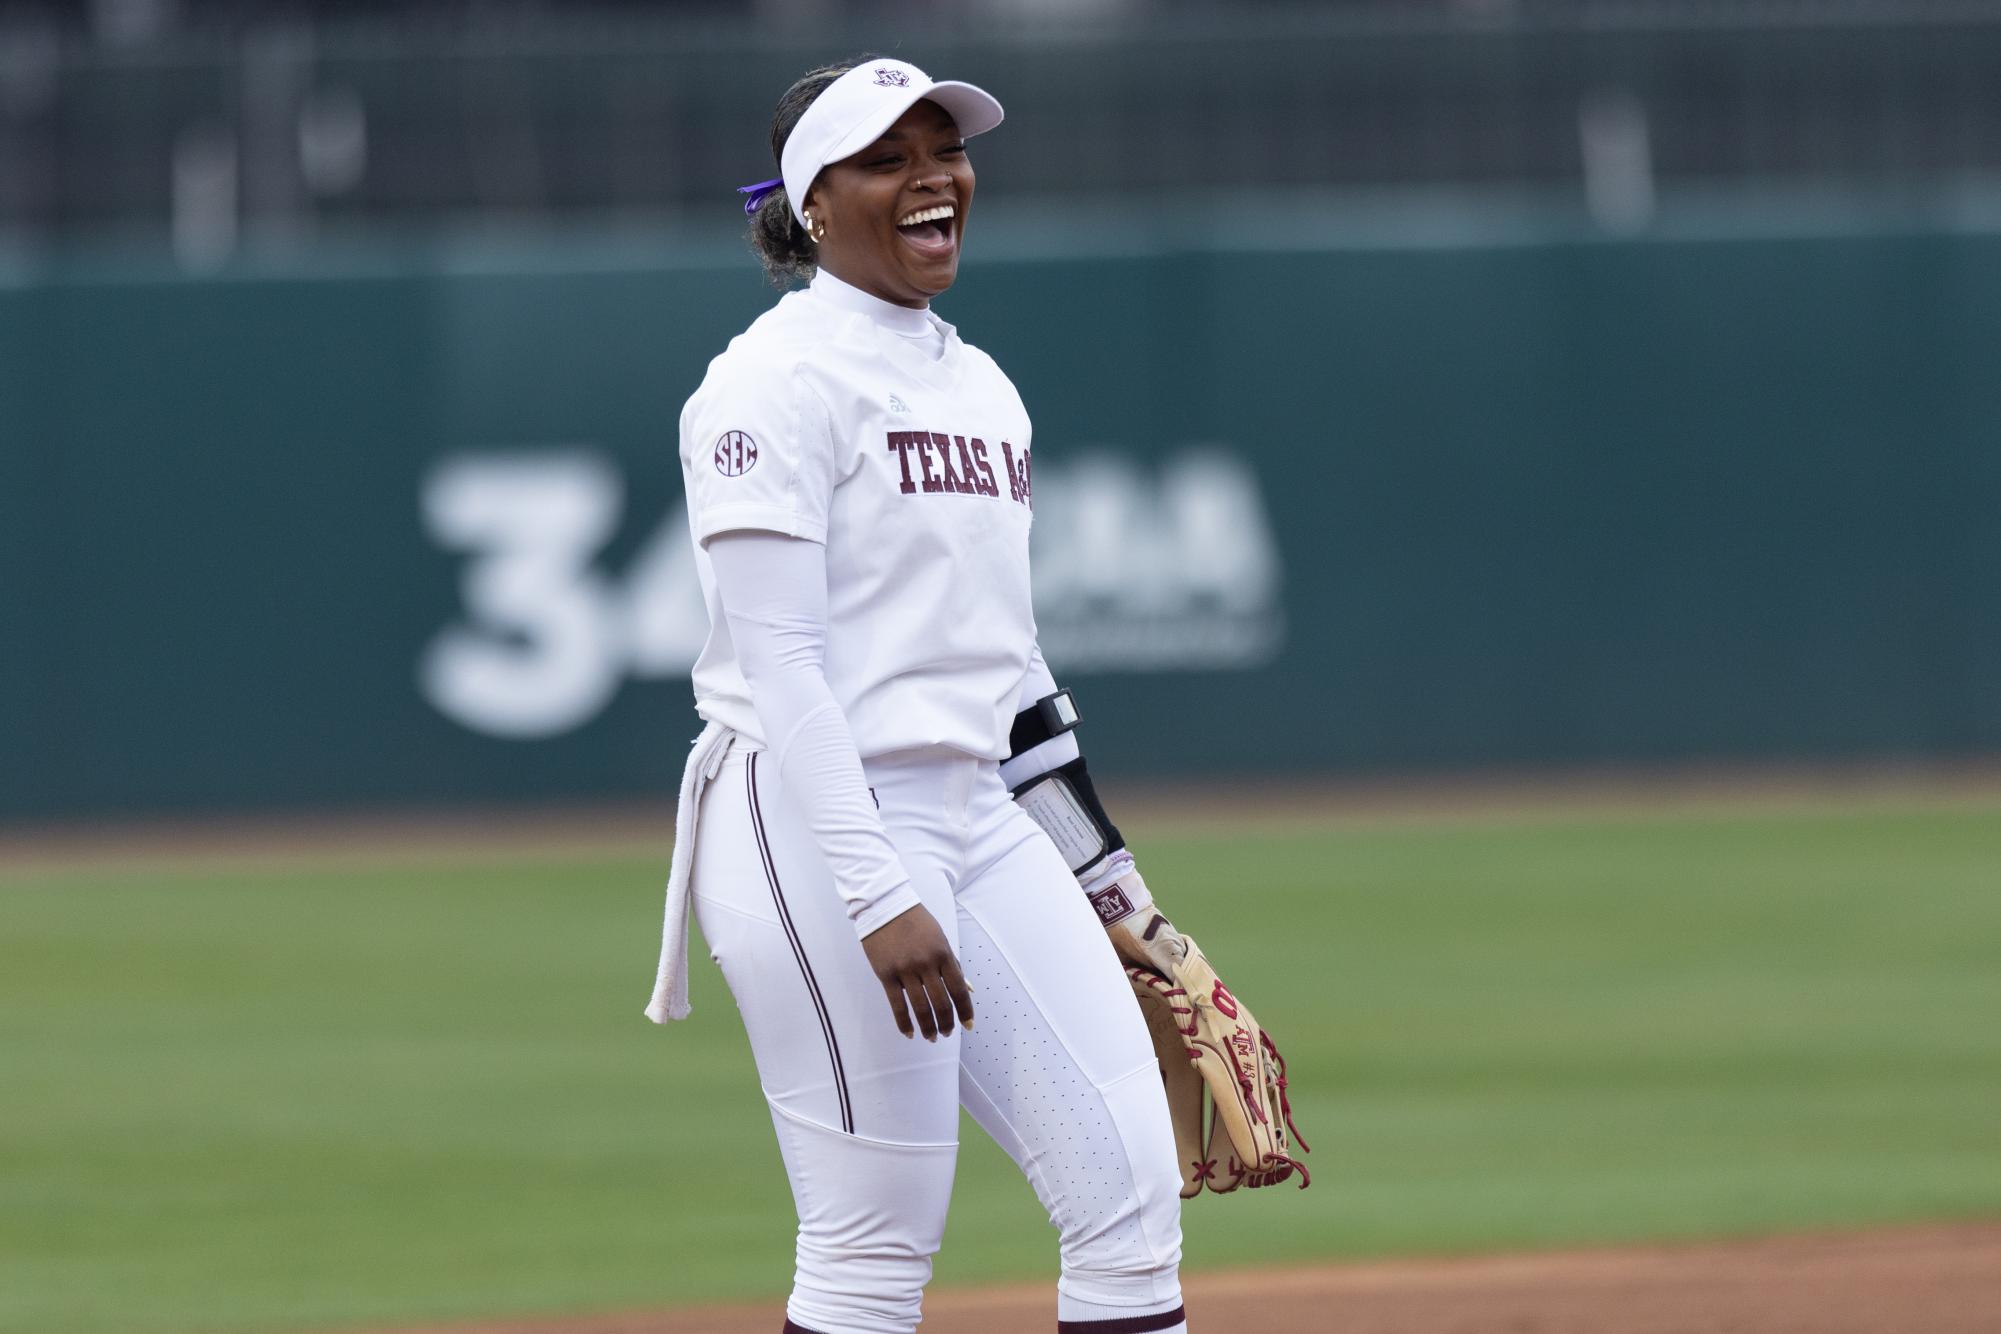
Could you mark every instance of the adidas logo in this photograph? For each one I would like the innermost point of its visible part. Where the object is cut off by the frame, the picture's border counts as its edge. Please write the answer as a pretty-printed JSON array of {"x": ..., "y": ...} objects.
[{"x": 897, "y": 405}]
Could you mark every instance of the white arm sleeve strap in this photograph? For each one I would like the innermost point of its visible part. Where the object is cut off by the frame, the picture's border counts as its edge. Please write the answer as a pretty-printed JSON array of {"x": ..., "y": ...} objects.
[{"x": 1058, "y": 750}]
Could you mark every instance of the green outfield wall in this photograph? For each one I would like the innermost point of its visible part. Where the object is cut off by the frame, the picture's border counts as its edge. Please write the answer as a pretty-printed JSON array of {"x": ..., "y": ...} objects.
[{"x": 406, "y": 528}]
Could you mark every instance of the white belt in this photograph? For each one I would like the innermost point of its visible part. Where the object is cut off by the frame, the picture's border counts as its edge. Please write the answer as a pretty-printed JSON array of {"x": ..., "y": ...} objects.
[{"x": 670, "y": 984}]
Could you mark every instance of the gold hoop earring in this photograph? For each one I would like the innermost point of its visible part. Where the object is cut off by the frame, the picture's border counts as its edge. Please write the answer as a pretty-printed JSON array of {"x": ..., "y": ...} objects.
[{"x": 816, "y": 228}]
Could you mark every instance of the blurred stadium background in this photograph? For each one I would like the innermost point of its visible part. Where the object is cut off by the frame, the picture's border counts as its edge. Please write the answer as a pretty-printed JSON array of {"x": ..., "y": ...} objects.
[{"x": 1533, "y": 393}]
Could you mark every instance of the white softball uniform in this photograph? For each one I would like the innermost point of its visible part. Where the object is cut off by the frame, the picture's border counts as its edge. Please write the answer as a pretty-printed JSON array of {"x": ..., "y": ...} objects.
[
  {"x": 831, "y": 419},
  {"x": 859, "y": 495}
]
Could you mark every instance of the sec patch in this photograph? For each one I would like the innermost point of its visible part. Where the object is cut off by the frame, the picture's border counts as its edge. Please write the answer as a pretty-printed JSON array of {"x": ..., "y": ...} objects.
[{"x": 736, "y": 454}]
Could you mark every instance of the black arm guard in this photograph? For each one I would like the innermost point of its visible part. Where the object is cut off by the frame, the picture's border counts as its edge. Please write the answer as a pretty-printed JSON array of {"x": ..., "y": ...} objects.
[
  {"x": 1063, "y": 800},
  {"x": 1045, "y": 720}
]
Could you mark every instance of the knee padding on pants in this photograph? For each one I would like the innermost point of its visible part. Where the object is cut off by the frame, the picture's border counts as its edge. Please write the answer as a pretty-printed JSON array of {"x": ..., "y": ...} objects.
[
  {"x": 871, "y": 1216},
  {"x": 1128, "y": 1253}
]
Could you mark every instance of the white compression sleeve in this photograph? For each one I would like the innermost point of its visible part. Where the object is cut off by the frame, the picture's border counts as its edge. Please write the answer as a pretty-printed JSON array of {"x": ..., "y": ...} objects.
[{"x": 773, "y": 591}]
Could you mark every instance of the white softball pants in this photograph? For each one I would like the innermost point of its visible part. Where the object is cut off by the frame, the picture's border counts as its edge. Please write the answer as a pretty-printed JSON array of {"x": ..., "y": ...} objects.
[{"x": 1057, "y": 1067}]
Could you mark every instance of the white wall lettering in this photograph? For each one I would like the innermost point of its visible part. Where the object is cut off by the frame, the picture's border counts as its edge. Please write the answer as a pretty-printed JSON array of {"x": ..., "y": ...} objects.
[{"x": 1168, "y": 567}]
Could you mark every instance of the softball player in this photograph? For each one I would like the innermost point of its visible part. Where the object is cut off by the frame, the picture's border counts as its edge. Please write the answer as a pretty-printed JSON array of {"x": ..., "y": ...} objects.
[{"x": 860, "y": 493}]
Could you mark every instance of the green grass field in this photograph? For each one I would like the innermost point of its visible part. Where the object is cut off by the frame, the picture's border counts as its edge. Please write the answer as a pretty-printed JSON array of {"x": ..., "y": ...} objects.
[{"x": 283, "y": 1099}]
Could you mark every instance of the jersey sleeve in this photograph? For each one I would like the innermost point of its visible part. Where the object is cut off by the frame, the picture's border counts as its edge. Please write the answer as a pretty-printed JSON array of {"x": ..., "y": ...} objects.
[{"x": 757, "y": 452}]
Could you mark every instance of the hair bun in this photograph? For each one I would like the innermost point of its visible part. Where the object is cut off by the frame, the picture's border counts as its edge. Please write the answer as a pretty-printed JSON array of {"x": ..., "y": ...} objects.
[{"x": 781, "y": 243}]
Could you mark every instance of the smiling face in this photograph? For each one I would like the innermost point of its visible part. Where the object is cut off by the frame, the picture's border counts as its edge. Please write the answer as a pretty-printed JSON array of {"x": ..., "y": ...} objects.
[{"x": 896, "y": 211}]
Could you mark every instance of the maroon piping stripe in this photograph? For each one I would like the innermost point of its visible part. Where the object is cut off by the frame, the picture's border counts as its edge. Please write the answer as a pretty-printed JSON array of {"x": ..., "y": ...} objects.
[
  {"x": 798, "y": 950},
  {"x": 1132, "y": 1324}
]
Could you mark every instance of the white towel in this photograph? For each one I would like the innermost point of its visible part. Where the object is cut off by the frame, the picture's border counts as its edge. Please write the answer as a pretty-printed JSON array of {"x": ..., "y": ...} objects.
[{"x": 670, "y": 984}]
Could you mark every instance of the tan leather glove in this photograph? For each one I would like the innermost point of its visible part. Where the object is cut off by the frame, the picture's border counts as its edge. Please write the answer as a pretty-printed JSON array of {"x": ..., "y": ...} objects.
[{"x": 1212, "y": 1050}]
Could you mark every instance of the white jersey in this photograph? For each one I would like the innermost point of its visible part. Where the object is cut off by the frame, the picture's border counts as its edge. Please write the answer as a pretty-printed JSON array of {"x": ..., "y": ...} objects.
[{"x": 836, "y": 417}]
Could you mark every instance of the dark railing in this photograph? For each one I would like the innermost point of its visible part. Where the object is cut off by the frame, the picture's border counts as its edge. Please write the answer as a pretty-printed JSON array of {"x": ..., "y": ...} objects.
[{"x": 289, "y": 127}]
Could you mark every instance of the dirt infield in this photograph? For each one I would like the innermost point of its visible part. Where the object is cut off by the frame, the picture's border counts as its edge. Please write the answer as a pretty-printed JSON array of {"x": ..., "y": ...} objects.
[
  {"x": 1929, "y": 1280},
  {"x": 646, "y": 828}
]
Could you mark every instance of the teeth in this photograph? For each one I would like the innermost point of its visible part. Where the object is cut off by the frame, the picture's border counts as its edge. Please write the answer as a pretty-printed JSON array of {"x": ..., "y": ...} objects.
[{"x": 937, "y": 214}]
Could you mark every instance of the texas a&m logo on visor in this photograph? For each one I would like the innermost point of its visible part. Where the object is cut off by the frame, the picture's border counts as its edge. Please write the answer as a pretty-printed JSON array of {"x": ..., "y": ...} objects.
[{"x": 736, "y": 454}]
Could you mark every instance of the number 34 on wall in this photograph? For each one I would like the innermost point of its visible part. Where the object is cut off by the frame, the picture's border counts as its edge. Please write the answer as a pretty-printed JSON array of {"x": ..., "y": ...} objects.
[{"x": 547, "y": 637}]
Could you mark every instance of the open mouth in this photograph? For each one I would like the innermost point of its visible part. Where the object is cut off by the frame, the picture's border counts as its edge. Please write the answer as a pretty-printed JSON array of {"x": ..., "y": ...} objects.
[{"x": 929, "y": 230}]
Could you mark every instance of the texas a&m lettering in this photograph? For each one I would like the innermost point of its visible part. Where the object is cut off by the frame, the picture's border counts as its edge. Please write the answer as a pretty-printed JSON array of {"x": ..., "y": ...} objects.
[{"x": 937, "y": 463}]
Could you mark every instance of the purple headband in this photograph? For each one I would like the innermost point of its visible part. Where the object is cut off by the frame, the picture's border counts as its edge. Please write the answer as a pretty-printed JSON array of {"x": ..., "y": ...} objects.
[{"x": 758, "y": 194}]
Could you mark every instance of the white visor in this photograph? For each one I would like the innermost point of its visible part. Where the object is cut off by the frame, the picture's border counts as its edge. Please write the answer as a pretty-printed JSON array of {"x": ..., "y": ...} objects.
[{"x": 856, "y": 108}]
